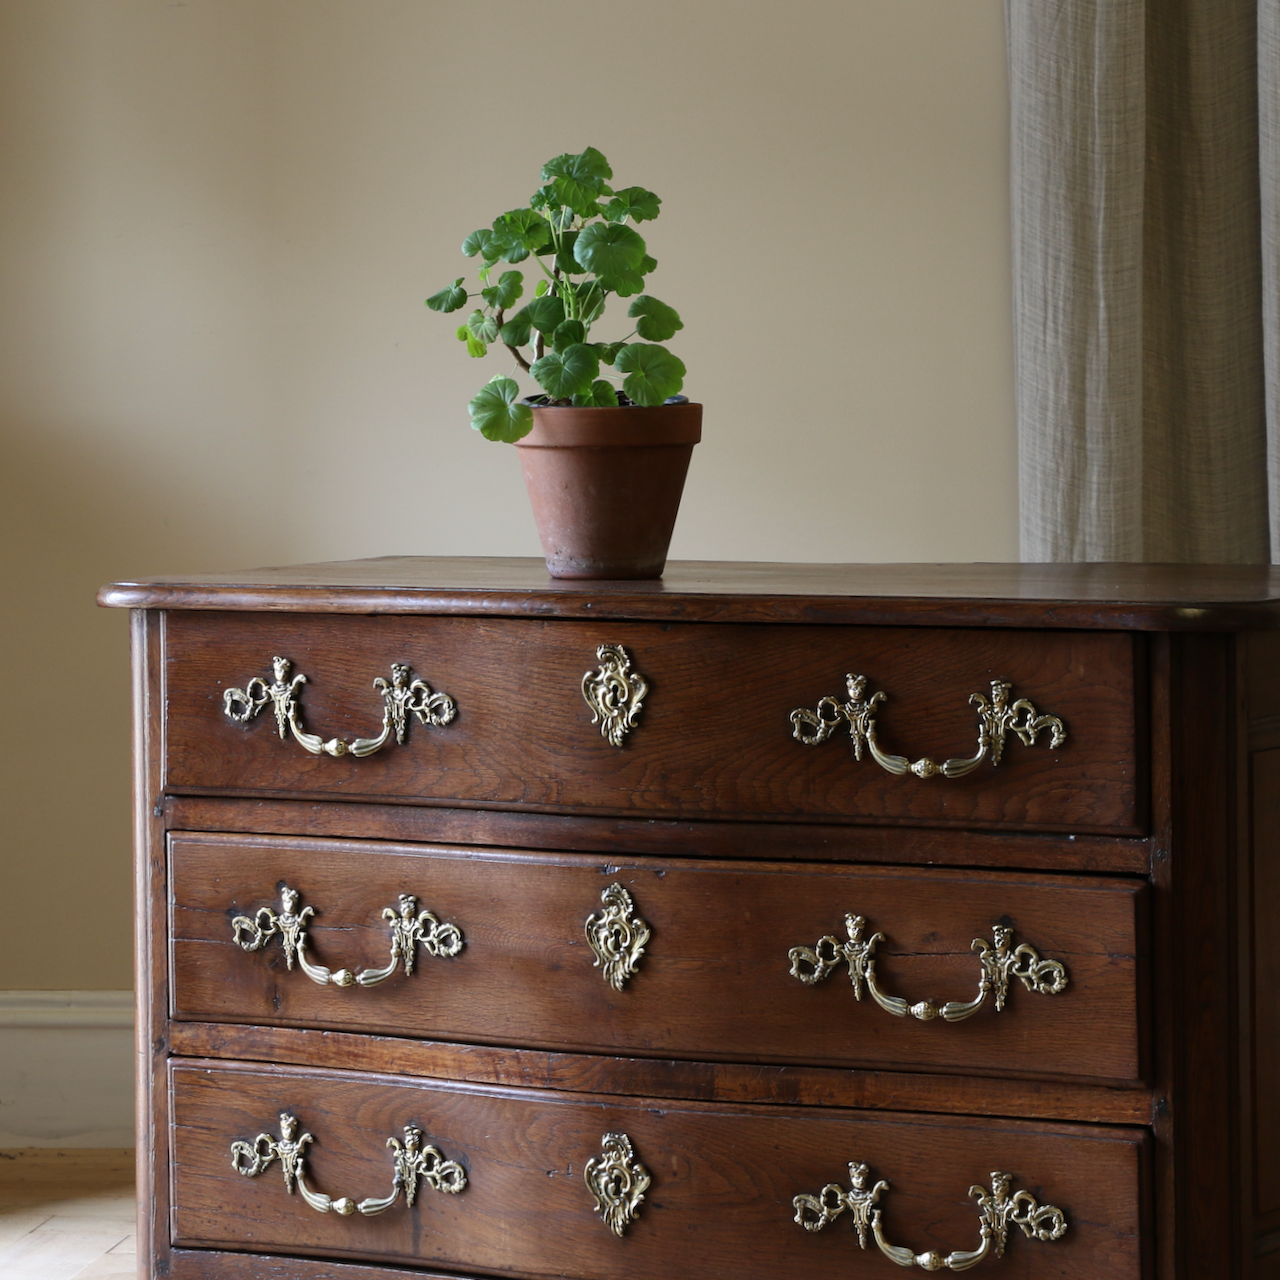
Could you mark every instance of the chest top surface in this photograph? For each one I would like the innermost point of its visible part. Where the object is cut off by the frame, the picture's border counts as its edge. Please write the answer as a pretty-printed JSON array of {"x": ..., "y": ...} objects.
[{"x": 1159, "y": 597}]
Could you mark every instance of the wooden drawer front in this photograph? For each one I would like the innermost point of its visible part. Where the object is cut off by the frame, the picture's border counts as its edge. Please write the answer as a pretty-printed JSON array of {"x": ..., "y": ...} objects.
[
  {"x": 714, "y": 736},
  {"x": 713, "y": 980},
  {"x": 720, "y": 1201}
]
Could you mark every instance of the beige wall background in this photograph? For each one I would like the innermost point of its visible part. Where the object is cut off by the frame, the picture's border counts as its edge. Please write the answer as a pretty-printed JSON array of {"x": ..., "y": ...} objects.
[{"x": 219, "y": 219}]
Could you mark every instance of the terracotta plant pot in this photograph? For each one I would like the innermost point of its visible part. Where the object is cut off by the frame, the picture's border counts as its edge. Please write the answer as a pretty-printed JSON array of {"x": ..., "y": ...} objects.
[{"x": 605, "y": 486}]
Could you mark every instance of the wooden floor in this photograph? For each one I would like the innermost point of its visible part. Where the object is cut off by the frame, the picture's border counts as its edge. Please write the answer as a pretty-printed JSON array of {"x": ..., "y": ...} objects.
[{"x": 67, "y": 1215}]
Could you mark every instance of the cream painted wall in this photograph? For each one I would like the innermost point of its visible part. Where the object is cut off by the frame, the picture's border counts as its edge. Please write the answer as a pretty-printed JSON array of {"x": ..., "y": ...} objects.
[{"x": 219, "y": 218}]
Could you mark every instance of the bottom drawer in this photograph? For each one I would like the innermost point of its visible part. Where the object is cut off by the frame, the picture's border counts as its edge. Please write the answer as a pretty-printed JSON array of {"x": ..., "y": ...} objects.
[{"x": 505, "y": 1189}]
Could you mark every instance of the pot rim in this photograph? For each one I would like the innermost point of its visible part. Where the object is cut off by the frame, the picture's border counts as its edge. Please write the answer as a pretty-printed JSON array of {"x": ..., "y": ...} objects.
[{"x": 569, "y": 426}]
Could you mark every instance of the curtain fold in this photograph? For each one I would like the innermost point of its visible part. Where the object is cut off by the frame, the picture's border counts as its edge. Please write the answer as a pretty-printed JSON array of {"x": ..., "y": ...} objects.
[{"x": 1140, "y": 175}]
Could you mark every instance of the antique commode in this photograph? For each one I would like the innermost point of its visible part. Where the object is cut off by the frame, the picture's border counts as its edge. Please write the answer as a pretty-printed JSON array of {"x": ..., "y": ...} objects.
[{"x": 766, "y": 921}]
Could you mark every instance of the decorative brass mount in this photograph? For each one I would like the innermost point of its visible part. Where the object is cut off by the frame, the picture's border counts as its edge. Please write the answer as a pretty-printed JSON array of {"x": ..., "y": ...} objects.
[
  {"x": 617, "y": 1182},
  {"x": 408, "y": 932},
  {"x": 411, "y": 1162},
  {"x": 614, "y": 693},
  {"x": 997, "y": 1209},
  {"x": 999, "y": 963},
  {"x": 401, "y": 697},
  {"x": 996, "y": 718},
  {"x": 617, "y": 936}
]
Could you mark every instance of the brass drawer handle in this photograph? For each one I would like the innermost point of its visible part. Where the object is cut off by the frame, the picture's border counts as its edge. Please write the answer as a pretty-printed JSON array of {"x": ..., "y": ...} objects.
[
  {"x": 401, "y": 698},
  {"x": 996, "y": 1209},
  {"x": 617, "y": 936},
  {"x": 617, "y": 1182},
  {"x": 999, "y": 963},
  {"x": 411, "y": 1162},
  {"x": 408, "y": 932},
  {"x": 996, "y": 718}
]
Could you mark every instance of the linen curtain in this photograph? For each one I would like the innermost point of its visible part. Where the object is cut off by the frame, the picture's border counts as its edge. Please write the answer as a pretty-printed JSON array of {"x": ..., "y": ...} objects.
[{"x": 1145, "y": 161}]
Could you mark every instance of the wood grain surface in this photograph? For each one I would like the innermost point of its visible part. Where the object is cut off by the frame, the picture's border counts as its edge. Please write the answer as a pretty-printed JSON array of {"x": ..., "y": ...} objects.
[
  {"x": 872, "y": 1089},
  {"x": 720, "y": 1203},
  {"x": 714, "y": 738},
  {"x": 714, "y": 980},
  {"x": 677, "y": 837},
  {"x": 1153, "y": 597}
]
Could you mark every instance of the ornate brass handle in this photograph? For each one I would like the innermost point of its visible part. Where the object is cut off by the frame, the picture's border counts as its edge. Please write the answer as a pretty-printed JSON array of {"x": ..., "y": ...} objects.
[
  {"x": 408, "y": 932},
  {"x": 996, "y": 718},
  {"x": 997, "y": 1209},
  {"x": 999, "y": 963},
  {"x": 614, "y": 693},
  {"x": 617, "y": 936},
  {"x": 401, "y": 697},
  {"x": 617, "y": 1182},
  {"x": 411, "y": 1162}
]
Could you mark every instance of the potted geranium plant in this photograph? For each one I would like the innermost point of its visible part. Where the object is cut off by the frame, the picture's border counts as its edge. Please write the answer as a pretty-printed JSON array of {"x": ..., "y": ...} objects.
[{"x": 604, "y": 464}]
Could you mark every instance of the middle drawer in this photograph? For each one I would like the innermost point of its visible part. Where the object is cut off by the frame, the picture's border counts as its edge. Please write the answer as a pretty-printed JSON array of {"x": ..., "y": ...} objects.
[{"x": 979, "y": 972}]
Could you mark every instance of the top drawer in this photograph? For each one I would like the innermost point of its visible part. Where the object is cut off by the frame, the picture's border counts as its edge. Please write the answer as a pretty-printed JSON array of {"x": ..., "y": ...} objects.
[{"x": 714, "y": 736}]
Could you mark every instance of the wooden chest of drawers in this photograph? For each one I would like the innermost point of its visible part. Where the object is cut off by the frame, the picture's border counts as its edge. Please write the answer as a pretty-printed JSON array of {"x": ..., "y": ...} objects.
[{"x": 781, "y": 922}]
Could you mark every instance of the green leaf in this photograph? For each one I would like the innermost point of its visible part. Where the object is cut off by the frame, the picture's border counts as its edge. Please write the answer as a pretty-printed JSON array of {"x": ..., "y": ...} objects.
[
  {"x": 568, "y": 372},
  {"x": 484, "y": 328},
  {"x": 545, "y": 313},
  {"x": 623, "y": 283},
  {"x": 509, "y": 287},
  {"x": 568, "y": 334},
  {"x": 632, "y": 202},
  {"x": 449, "y": 299},
  {"x": 608, "y": 351},
  {"x": 519, "y": 233},
  {"x": 601, "y": 396},
  {"x": 481, "y": 242},
  {"x": 582, "y": 198},
  {"x": 655, "y": 321},
  {"x": 516, "y": 332},
  {"x": 565, "y": 259},
  {"x": 540, "y": 288},
  {"x": 609, "y": 248},
  {"x": 648, "y": 265},
  {"x": 495, "y": 413},
  {"x": 653, "y": 372},
  {"x": 475, "y": 348},
  {"x": 588, "y": 167}
]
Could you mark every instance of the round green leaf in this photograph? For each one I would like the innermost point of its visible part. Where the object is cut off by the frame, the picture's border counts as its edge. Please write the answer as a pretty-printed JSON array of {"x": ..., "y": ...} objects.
[
  {"x": 653, "y": 372},
  {"x": 608, "y": 351},
  {"x": 648, "y": 265},
  {"x": 481, "y": 242},
  {"x": 568, "y": 264},
  {"x": 519, "y": 233},
  {"x": 567, "y": 334},
  {"x": 509, "y": 287},
  {"x": 655, "y": 321},
  {"x": 516, "y": 332},
  {"x": 562, "y": 374},
  {"x": 601, "y": 396},
  {"x": 588, "y": 167},
  {"x": 632, "y": 202},
  {"x": 483, "y": 327},
  {"x": 545, "y": 313},
  {"x": 609, "y": 248},
  {"x": 583, "y": 198},
  {"x": 497, "y": 415},
  {"x": 623, "y": 283},
  {"x": 450, "y": 299}
]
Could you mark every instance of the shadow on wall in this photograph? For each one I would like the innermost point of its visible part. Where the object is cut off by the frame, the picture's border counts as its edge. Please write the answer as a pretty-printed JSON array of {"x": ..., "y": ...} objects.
[{"x": 74, "y": 515}]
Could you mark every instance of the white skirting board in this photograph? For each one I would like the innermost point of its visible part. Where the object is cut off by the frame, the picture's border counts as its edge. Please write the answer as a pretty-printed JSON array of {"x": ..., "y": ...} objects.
[{"x": 66, "y": 1069}]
